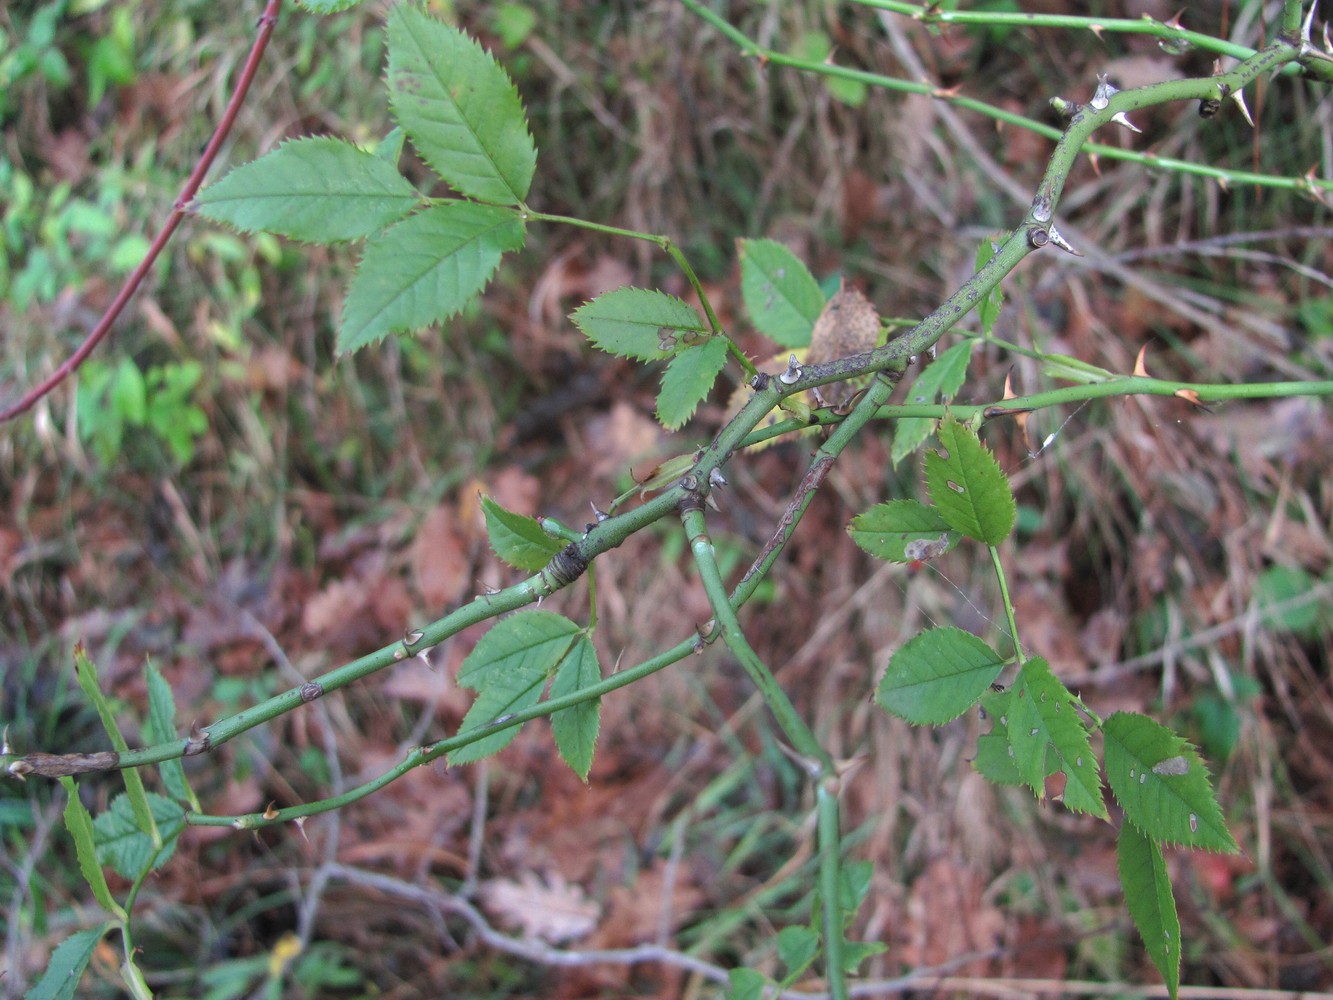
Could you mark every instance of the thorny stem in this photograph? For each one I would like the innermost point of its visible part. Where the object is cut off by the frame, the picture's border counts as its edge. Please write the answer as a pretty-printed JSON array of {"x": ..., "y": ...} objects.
[
  {"x": 1291, "y": 20},
  {"x": 889, "y": 361},
  {"x": 268, "y": 20},
  {"x": 818, "y": 763},
  {"x": 1222, "y": 175},
  {"x": 426, "y": 754},
  {"x": 1125, "y": 385},
  {"x": 1145, "y": 25},
  {"x": 892, "y": 358},
  {"x": 828, "y": 826}
]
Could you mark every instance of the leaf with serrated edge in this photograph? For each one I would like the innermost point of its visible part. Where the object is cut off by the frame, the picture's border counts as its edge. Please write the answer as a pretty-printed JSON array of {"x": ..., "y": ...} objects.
[
  {"x": 160, "y": 727},
  {"x": 902, "y": 531},
  {"x": 575, "y": 729},
  {"x": 80, "y": 826},
  {"x": 517, "y": 539},
  {"x": 319, "y": 190},
  {"x": 968, "y": 486},
  {"x": 941, "y": 379},
  {"x": 425, "y": 269},
  {"x": 60, "y": 981},
  {"x": 1047, "y": 734},
  {"x": 995, "y": 757},
  {"x": 797, "y": 947},
  {"x": 1171, "y": 808},
  {"x": 459, "y": 108},
  {"x": 125, "y": 847},
  {"x": 937, "y": 676},
  {"x": 637, "y": 323},
  {"x": 781, "y": 296},
  {"x": 1152, "y": 904},
  {"x": 688, "y": 380},
  {"x": 508, "y": 669},
  {"x": 86, "y": 672}
]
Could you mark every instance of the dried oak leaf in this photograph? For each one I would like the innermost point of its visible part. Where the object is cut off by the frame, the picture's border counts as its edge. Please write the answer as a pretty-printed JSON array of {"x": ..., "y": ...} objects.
[{"x": 553, "y": 911}]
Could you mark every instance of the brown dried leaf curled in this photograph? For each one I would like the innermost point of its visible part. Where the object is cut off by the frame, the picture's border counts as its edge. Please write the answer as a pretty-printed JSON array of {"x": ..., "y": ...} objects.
[{"x": 848, "y": 325}]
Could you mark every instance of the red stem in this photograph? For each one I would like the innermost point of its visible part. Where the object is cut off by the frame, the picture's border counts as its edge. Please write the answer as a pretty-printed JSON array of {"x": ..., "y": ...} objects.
[{"x": 267, "y": 22}]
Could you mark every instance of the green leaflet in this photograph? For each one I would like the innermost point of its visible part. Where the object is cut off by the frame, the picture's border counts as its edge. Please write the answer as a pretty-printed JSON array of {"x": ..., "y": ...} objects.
[
  {"x": 425, "y": 269},
  {"x": 1160, "y": 782},
  {"x": 781, "y": 296},
  {"x": 575, "y": 728},
  {"x": 995, "y": 757},
  {"x": 637, "y": 323},
  {"x": 968, "y": 486},
  {"x": 80, "y": 826},
  {"x": 122, "y": 845},
  {"x": 688, "y": 380},
  {"x": 745, "y": 984},
  {"x": 160, "y": 727},
  {"x": 941, "y": 380},
  {"x": 319, "y": 190},
  {"x": 937, "y": 676},
  {"x": 1152, "y": 904},
  {"x": 1048, "y": 735},
  {"x": 508, "y": 669},
  {"x": 60, "y": 981},
  {"x": 86, "y": 671},
  {"x": 902, "y": 531},
  {"x": 517, "y": 539},
  {"x": 459, "y": 108},
  {"x": 797, "y": 947}
]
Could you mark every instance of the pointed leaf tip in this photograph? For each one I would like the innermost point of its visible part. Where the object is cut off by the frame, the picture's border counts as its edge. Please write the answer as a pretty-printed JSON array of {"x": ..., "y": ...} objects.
[
  {"x": 937, "y": 676},
  {"x": 459, "y": 108},
  {"x": 968, "y": 486},
  {"x": 425, "y": 269}
]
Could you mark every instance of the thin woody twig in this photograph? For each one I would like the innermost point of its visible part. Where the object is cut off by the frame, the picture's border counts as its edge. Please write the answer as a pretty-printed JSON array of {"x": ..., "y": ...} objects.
[
  {"x": 267, "y": 22},
  {"x": 549, "y": 955}
]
